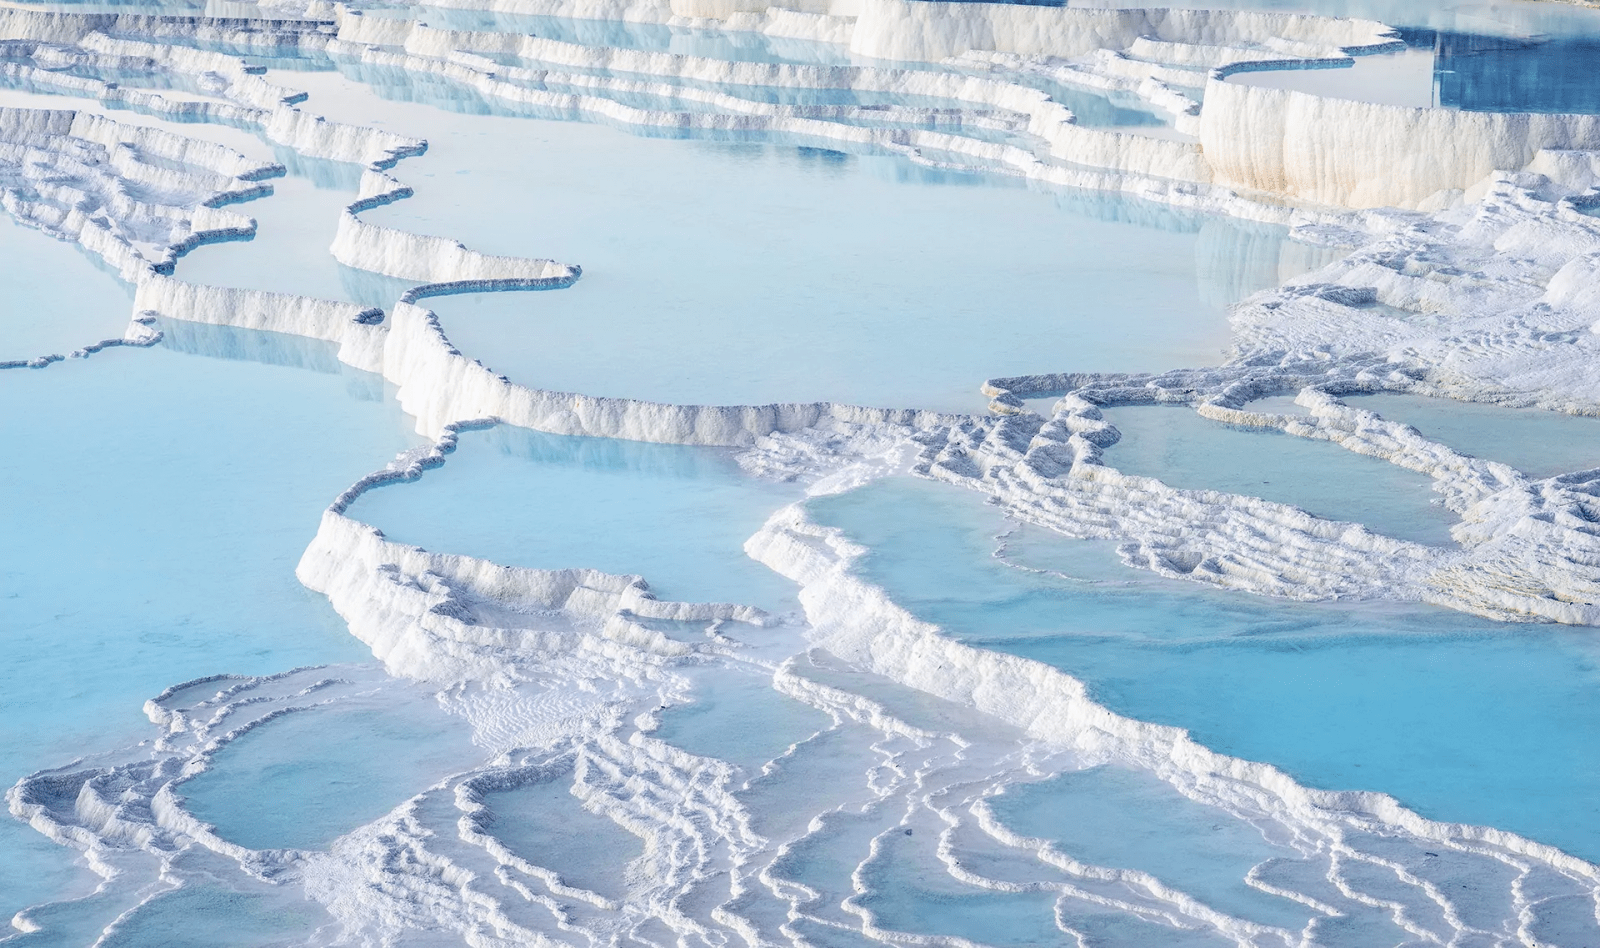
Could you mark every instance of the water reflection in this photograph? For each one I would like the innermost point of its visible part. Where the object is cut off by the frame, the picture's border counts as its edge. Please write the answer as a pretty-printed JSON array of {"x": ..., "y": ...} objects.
[{"x": 1478, "y": 73}]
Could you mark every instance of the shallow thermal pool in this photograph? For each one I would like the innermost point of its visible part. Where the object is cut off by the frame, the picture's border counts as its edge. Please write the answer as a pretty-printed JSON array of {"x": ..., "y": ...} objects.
[
  {"x": 328, "y": 771},
  {"x": 1404, "y": 78},
  {"x": 172, "y": 494},
  {"x": 766, "y": 273},
  {"x": 545, "y": 824},
  {"x": 1462, "y": 719},
  {"x": 884, "y": 307},
  {"x": 1183, "y": 449},
  {"x": 42, "y": 317},
  {"x": 676, "y": 515},
  {"x": 650, "y": 37},
  {"x": 172, "y": 491},
  {"x": 289, "y": 253},
  {"x": 739, "y": 718},
  {"x": 1536, "y": 442},
  {"x": 1116, "y": 816}
]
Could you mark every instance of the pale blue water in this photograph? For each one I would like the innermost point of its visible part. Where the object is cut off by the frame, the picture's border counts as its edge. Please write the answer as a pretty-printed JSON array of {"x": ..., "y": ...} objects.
[
  {"x": 178, "y": 491},
  {"x": 289, "y": 252},
  {"x": 1462, "y": 719},
  {"x": 306, "y": 778},
  {"x": 885, "y": 304},
  {"x": 217, "y": 917},
  {"x": 865, "y": 291},
  {"x": 1127, "y": 819},
  {"x": 545, "y": 824},
  {"x": 223, "y": 912},
  {"x": 650, "y": 37},
  {"x": 739, "y": 718},
  {"x": 1536, "y": 442},
  {"x": 169, "y": 497},
  {"x": 268, "y": 348},
  {"x": 1182, "y": 449},
  {"x": 677, "y": 515},
  {"x": 1096, "y": 109},
  {"x": 1404, "y": 78},
  {"x": 782, "y": 800},
  {"x": 910, "y": 891},
  {"x": 43, "y": 316}
]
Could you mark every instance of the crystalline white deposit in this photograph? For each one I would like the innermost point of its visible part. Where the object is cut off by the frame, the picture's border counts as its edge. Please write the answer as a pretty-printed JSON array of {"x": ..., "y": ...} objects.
[{"x": 871, "y": 803}]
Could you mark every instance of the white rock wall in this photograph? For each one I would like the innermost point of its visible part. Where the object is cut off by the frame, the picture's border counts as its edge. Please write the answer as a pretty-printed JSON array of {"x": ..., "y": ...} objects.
[{"x": 1357, "y": 154}]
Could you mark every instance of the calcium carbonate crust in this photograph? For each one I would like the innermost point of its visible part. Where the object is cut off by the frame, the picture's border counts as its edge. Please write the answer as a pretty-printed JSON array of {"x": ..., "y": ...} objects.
[
  {"x": 1049, "y": 472},
  {"x": 563, "y": 675}
]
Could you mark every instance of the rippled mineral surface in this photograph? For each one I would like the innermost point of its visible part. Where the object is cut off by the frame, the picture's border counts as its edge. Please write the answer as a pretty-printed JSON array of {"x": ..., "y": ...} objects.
[{"x": 697, "y": 473}]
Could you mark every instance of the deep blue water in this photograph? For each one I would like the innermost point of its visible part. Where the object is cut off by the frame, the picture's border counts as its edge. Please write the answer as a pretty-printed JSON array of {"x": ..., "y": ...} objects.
[{"x": 1478, "y": 73}]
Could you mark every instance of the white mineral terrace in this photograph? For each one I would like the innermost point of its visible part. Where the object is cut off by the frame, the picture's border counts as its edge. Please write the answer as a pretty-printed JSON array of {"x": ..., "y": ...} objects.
[{"x": 1471, "y": 271}]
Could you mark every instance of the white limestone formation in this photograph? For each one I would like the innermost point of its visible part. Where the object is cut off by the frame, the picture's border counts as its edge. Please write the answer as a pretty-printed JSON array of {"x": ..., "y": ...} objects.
[
  {"x": 1482, "y": 290},
  {"x": 1358, "y": 154},
  {"x": 60, "y": 177},
  {"x": 351, "y": 326}
]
